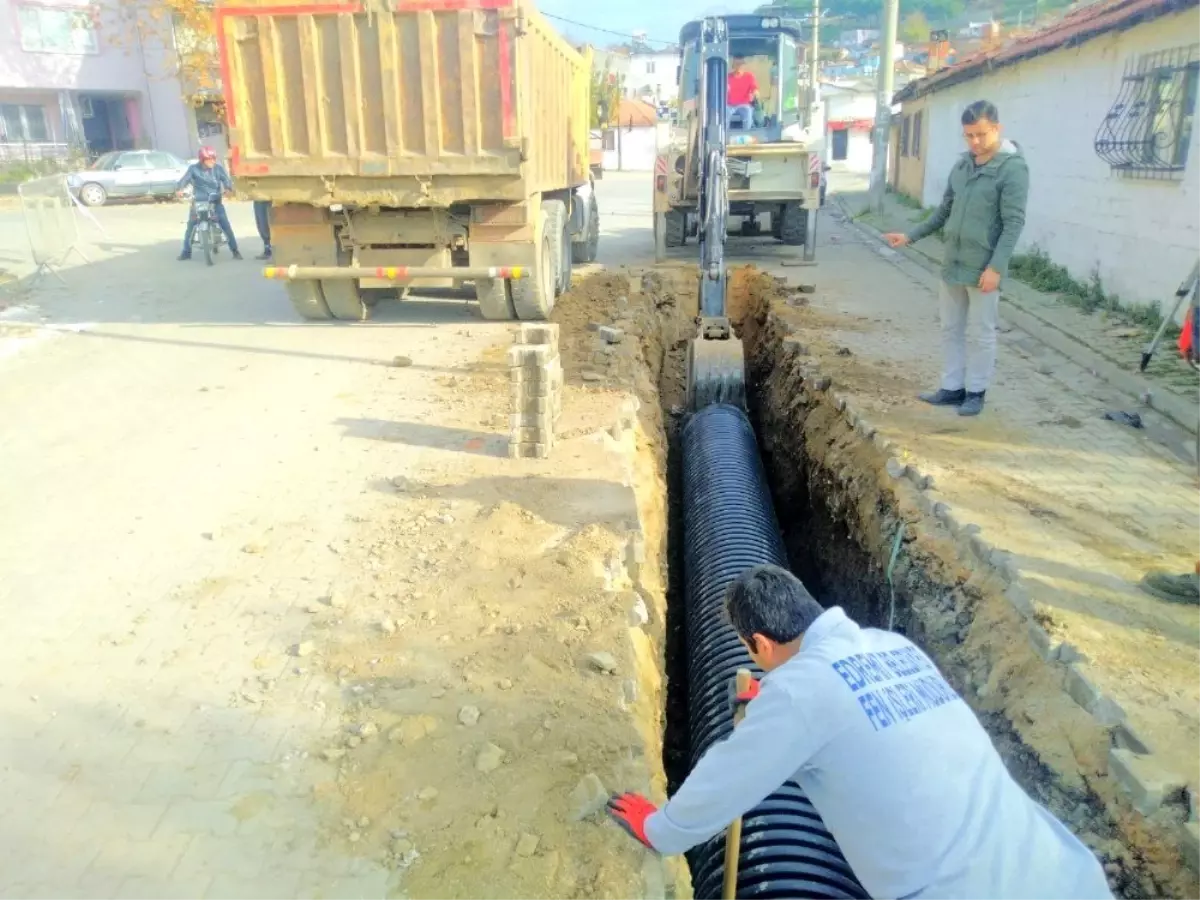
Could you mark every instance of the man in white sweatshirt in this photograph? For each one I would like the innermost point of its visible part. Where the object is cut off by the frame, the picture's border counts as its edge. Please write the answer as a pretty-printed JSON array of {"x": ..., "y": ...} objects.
[{"x": 904, "y": 776}]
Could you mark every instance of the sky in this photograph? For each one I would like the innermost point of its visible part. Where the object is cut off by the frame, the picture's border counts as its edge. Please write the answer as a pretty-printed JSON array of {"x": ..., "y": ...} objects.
[{"x": 660, "y": 21}]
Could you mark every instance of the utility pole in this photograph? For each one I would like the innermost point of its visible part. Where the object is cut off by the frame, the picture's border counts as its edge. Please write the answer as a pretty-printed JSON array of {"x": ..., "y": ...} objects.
[
  {"x": 814, "y": 65},
  {"x": 883, "y": 102}
]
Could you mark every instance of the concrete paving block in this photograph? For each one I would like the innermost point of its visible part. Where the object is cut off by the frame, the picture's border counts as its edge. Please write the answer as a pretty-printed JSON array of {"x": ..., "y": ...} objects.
[
  {"x": 1148, "y": 784},
  {"x": 611, "y": 335},
  {"x": 520, "y": 391},
  {"x": 895, "y": 468},
  {"x": 536, "y": 333},
  {"x": 543, "y": 420},
  {"x": 1045, "y": 648},
  {"x": 981, "y": 548},
  {"x": 528, "y": 356},
  {"x": 528, "y": 451},
  {"x": 1020, "y": 600},
  {"x": 532, "y": 436},
  {"x": 865, "y": 429},
  {"x": 1189, "y": 843},
  {"x": 1125, "y": 737},
  {"x": 534, "y": 406},
  {"x": 1103, "y": 708}
]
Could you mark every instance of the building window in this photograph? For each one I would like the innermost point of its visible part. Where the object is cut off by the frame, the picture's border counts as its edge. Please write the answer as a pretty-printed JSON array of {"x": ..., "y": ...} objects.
[
  {"x": 649, "y": 67},
  {"x": 58, "y": 29},
  {"x": 23, "y": 124},
  {"x": 1149, "y": 127},
  {"x": 916, "y": 134},
  {"x": 904, "y": 135}
]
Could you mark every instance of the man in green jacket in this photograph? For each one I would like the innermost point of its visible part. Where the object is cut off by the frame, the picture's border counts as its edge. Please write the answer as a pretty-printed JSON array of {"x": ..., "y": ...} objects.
[{"x": 982, "y": 211}]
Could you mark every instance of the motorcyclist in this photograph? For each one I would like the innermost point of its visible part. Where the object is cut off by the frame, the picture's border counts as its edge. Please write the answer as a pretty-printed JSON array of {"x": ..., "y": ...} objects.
[{"x": 207, "y": 178}]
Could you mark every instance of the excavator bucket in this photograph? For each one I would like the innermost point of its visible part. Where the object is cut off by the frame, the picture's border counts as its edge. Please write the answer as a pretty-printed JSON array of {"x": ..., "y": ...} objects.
[{"x": 716, "y": 372}]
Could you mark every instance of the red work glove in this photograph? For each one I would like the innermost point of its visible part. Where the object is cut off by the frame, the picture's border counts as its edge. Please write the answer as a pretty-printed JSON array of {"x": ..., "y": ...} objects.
[
  {"x": 631, "y": 811},
  {"x": 739, "y": 700}
]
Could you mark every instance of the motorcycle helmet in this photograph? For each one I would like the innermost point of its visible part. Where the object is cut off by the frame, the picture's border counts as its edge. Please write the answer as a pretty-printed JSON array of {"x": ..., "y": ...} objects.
[{"x": 208, "y": 153}]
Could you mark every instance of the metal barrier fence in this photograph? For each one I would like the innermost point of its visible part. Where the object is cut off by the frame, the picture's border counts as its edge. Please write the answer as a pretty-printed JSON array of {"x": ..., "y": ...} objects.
[{"x": 50, "y": 222}]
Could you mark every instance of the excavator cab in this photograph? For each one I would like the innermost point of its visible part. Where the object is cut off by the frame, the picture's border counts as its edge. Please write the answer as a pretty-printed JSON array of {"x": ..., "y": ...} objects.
[
  {"x": 772, "y": 56},
  {"x": 773, "y": 148}
]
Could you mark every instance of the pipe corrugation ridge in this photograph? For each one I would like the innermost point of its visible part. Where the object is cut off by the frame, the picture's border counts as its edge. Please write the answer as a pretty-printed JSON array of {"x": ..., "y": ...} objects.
[{"x": 729, "y": 526}]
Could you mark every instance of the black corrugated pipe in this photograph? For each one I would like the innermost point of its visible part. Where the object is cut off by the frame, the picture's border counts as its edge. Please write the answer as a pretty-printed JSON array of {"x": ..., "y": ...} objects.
[{"x": 729, "y": 526}]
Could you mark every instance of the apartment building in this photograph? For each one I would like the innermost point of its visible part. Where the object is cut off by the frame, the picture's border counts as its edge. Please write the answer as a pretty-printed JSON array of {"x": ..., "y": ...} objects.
[{"x": 90, "y": 77}]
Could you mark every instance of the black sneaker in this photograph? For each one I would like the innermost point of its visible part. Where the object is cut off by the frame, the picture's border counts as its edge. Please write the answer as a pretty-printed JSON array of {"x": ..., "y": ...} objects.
[
  {"x": 943, "y": 397},
  {"x": 184, "y": 257},
  {"x": 236, "y": 254},
  {"x": 972, "y": 405},
  {"x": 266, "y": 254}
]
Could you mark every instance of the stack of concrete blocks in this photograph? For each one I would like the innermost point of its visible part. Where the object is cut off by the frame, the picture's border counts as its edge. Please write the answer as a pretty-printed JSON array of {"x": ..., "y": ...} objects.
[{"x": 535, "y": 382}]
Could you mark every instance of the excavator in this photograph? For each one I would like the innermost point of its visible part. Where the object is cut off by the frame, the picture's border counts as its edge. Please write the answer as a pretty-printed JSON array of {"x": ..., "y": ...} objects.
[{"x": 729, "y": 166}]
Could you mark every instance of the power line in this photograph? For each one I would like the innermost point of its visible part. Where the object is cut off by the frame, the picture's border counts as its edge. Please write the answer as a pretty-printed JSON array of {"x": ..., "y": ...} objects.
[{"x": 607, "y": 30}]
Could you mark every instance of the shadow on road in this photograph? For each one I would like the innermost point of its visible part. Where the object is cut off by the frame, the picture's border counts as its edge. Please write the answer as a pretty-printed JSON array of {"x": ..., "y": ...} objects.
[
  {"x": 559, "y": 501},
  {"x": 417, "y": 434}
]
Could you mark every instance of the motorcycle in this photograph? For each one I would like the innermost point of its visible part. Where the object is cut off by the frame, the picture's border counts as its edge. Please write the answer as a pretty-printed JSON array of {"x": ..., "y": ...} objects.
[{"x": 208, "y": 233}]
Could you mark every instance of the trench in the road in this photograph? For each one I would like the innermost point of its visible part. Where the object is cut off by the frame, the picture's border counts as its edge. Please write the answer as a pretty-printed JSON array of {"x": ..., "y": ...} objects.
[{"x": 839, "y": 516}]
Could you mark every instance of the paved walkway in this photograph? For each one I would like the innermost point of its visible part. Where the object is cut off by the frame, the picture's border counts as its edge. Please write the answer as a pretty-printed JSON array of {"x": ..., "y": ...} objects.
[
  {"x": 1084, "y": 505},
  {"x": 1114, "y": 337}
]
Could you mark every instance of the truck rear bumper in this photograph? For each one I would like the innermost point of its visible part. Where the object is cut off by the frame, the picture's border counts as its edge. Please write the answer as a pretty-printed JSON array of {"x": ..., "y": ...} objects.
[{"x": 393, "y": 274}]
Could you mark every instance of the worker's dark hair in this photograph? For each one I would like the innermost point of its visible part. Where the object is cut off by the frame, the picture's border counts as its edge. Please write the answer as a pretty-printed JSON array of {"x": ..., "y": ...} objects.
[
  {"x": 770, "y": 601},
  {"x": 981, "y": 109}
]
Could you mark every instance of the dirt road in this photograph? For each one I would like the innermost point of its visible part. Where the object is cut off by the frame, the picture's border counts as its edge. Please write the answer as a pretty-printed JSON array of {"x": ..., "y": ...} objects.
[{"x": 281, "y": 617}]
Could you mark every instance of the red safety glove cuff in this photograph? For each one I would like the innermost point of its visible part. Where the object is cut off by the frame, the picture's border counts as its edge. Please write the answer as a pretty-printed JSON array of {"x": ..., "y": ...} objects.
[
  {"x": 751, "y": 692},
  {"x": 738, "y": 700},
  {"x": 631, "y": 811}
]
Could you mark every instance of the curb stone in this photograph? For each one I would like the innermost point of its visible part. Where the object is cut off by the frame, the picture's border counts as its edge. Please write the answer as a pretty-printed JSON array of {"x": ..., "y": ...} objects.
[{"x": 1149, "y": 786}]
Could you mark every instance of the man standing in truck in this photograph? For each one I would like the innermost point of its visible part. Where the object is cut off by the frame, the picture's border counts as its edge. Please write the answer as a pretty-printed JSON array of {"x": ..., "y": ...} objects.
[
  {"x": 902, "y": 772},
  {"x": 740, "y": 93},
  {"x": 982, "y": 212},
  {"x": 207, "y": 179}
]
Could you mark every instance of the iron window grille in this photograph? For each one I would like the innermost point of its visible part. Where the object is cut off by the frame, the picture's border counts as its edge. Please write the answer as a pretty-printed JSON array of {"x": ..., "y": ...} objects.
[{"x": 1147, "y": 132}]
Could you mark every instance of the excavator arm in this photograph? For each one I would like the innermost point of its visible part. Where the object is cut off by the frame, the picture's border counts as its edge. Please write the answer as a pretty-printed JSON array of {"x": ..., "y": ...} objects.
[{"x": 716, "y": 360}]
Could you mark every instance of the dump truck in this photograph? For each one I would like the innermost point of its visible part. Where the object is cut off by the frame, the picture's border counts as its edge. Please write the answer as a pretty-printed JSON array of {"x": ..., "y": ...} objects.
[
  {"x": 772, "y": 161},
  {"x": 411, "y": 143}
]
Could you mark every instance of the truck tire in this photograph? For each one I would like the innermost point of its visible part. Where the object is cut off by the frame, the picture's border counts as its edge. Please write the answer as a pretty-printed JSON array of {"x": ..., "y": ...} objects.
[
  {"x": 560, "y": 242},
  {"x": 495, "y": 299},
  {"x": 585, "y": 251},
  {"x": 676, "y": 225},
  {"x": 794, "y": 226},
  {"x": 344, "y": 300},
  {"x": 307, "y": 300},
  {"x": 533, "y": 297}
]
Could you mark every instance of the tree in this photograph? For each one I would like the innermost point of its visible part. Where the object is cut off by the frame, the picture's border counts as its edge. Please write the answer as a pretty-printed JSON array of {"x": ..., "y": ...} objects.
[
  {"x": 607, "y": 90},
  {"x": 915, "y": 28},
  {"x": 179, "y": 34}
]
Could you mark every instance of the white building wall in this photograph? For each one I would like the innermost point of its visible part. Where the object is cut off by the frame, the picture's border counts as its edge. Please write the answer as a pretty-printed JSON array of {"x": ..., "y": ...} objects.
[
  {"x": 858, "y": 152},
  {"x": 653, "y": 75},
  {"x": 844, "y": 105},
  {"x": 638, "y": 149},
  {"x": 1141, "y": 235}
]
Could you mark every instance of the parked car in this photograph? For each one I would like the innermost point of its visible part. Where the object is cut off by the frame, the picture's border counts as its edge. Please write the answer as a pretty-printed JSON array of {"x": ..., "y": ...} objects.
[{"x": 125, "y": 174}]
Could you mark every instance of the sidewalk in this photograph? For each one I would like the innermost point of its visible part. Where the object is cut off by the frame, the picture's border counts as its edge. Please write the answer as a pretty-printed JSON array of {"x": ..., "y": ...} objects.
[
  {"x": 1110, "y": 343},
  {"x": 1078, "y": 508}
]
